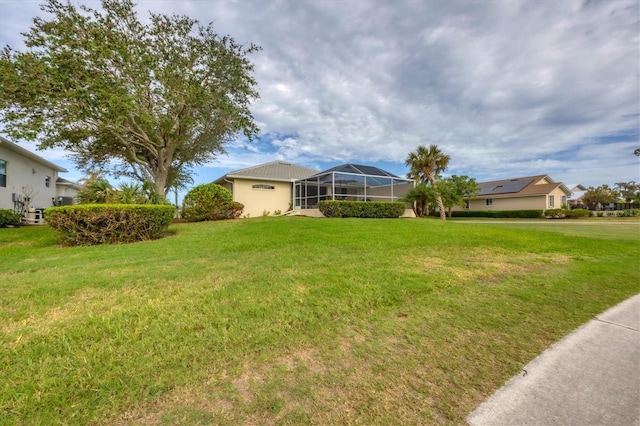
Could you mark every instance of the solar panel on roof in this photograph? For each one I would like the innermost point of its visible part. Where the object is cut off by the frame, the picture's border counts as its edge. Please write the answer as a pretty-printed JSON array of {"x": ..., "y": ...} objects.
[{"x": 504, "y": 188}]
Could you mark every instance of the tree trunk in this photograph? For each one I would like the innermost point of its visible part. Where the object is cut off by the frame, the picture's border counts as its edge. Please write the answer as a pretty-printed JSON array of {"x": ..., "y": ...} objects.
[
  {"x": 160, "y": 180},
  {"x": 443, "y": 213}
]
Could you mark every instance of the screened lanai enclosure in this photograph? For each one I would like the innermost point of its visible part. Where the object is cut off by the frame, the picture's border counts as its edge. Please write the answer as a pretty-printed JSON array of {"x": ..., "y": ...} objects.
[{"x": 350, "y": 182}]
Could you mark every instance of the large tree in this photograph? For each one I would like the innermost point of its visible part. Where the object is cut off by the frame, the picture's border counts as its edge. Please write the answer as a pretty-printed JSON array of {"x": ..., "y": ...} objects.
[
  {"x": 425, "y": 165},
  {"x": 141, "y": 99}
]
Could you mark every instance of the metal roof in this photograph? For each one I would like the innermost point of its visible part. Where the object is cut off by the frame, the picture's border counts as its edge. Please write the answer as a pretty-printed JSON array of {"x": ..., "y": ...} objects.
[{"x": 275, "y": 170}]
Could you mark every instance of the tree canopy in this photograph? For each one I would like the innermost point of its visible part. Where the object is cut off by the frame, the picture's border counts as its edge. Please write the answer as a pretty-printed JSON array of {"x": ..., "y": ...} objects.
[
  {"x": 146, "y": 100},
  {"x": 425, "y": 165},
  {"x": 629, "y": 191},
  {"x": 457, "y": 191},
  {"x": 602, "y": 194}
]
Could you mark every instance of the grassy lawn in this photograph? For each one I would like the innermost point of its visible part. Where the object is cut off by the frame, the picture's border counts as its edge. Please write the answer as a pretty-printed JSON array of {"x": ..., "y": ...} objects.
[{"x": 294, "y": 320}]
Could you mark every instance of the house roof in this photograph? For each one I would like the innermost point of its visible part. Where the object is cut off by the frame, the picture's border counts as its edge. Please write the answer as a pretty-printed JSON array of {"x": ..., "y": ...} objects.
[
  {"x": 358, "y": 170},
  {"x": 275, "y": 170},
  {"x": 523, "y": 186},
  {"x": 65, "y": 182},
  {"x": 28, "y": 154}
]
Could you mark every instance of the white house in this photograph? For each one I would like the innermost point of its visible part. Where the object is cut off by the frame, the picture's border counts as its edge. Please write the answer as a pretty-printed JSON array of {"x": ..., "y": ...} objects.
[{"x": 29, "y": 182}]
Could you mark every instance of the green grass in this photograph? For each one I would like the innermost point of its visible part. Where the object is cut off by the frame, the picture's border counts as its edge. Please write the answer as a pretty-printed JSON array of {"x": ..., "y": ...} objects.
[
  {"x": 293, "y": 320},
  {"x": 606, "y": 228}
]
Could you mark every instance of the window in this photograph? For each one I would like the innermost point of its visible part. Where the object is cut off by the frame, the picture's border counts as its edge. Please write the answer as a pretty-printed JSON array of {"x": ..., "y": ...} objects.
[
  {"x": 552, "y": 200},
  {"x": 47, "y": 181},
  {"x": 489, "y": 201},
  {"x": 263, "y": 187},
  {"x": 564, "y": 200},
  {"x": 3, "y": 174}
]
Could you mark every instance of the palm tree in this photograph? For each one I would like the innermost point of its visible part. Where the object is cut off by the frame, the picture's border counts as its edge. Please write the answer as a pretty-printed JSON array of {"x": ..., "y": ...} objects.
[{"x": 425, "y": 165}]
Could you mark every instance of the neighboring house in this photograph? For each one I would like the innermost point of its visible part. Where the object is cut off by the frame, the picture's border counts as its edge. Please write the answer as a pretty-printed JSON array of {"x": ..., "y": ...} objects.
[
  {"x": 350, "y": 182},
  {"x": 525, "y": 193},
  {"x": 28, "y": 182},
  {"x": 577, "y": 191},
  {"x": 66, "y": 192},
  {"x": 265, "y": 187}
]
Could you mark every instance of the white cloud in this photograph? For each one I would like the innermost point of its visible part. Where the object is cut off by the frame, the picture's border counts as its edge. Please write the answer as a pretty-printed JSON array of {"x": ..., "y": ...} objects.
[{"x": 506, "y": 88}]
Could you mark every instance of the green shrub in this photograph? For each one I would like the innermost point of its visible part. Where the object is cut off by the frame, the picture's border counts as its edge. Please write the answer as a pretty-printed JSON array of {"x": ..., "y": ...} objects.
[
  {"x": 376, "y": 209},
  {"x": 577, "y": 213},
  {"x": 630, "y": 213},
  {"x": 503, "y": 214},
  {"x": 9, "y": 218},
  {"x": 555, "y": 213},
  {"x": 90, "y": 224},
  {"x": 210, "y": 201}
]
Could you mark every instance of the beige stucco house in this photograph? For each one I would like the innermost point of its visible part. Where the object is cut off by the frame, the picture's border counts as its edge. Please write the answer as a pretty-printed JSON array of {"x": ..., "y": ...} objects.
[
  {"x": 266, "y": 187},
  {"x": 524, "y": 193},
  {"x": 29, "y": 183}
]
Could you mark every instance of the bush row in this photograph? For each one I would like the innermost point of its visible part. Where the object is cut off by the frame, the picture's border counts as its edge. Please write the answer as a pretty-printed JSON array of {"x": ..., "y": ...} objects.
[
  {"x": 90, "y": 224},
  {"x": 9, "y": 218},
  {"x": 375, "y": 209},
  {"x": 566, "y": 213},
  {"x": 503, "y": 214}
]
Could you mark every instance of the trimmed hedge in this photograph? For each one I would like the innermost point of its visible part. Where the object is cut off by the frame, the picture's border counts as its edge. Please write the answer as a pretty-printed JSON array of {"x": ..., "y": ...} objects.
[
  {"x": 91, "y": 224},
  {"x": 368, "y": 209},
  {"x": 576, "y": 213},
  {"x": 9, "y": 218},
  {"x": 500, "y": 214}
]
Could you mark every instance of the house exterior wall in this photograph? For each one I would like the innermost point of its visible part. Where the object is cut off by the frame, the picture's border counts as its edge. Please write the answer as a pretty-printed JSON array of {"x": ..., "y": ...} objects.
[
  {"x": 21, "y": 179},
  {"x": 515, "y": 203},
  {"x": 520, "y": 203},
  {"x": 66, "y": 191},
  {"x": 257, "y": 201}
]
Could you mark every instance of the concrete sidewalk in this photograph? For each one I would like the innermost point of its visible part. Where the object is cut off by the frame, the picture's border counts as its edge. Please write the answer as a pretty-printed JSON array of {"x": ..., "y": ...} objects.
[{"x": 591, "y": 377}]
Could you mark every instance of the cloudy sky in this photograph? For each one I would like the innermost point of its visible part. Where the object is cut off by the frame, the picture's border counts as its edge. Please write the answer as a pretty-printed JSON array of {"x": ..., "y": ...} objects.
[{"x": 507, "y": 88}]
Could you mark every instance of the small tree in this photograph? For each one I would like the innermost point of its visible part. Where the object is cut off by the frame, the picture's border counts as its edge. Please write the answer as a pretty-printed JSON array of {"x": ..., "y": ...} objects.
[
  {"x": 629, "y": 191},
  {"x": 95, "y": 190},
  {"x": 425, "y": 166},
  {"x": 457, "y": 191},
  {"x": 420, "y": 198},
  {"x": 600, "y": 195}
]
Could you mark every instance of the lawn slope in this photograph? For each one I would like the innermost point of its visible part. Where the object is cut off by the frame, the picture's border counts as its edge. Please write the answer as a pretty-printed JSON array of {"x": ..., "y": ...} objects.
[{"x": 290, "y": 320}]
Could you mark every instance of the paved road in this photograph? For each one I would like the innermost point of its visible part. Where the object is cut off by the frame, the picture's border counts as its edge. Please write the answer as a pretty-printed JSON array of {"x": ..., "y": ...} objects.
[{"x": 591, "y": 377}]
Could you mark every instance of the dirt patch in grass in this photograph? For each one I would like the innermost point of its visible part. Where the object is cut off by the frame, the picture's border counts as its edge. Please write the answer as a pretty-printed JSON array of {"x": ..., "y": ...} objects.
[{"x": 483, "y": 265}]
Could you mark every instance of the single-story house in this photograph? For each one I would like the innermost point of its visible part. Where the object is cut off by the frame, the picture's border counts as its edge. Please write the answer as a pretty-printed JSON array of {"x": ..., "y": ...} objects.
[
  {"x": 524, "y": 193},
  {"x": 282, "y": 186},
  {"x": 29, "y": 183},
  {"x": 266, "y": 187},
  {"x": 351, "y": 182}
]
